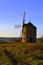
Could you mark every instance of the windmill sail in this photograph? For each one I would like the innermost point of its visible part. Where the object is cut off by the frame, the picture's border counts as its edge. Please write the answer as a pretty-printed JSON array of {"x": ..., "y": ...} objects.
[
  {"x": 23, "y": 18},
  {"x": 18, "y": 25}
]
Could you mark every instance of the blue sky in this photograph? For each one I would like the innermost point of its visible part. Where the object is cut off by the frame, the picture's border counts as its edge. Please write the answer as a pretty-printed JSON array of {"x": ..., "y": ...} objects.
[{"x": 11, "y": 14}]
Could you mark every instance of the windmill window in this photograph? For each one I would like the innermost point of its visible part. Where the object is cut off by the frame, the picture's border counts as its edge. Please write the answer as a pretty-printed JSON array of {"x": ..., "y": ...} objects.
[
  {"x": 24, "y": 33},
  {"x": 24, "y": 38}
]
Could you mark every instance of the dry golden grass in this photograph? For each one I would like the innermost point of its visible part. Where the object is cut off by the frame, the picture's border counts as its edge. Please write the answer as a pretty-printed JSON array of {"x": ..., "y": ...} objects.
[{"x": 24, "y": 53}]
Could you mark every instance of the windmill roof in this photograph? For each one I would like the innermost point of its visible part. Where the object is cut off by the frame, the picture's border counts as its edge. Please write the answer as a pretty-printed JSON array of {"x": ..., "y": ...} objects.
[{"x": 29, "y": 24}]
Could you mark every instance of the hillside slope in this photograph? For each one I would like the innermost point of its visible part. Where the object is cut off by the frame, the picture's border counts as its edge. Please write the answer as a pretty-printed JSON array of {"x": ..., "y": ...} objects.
[{"x": 21, "y": 54}]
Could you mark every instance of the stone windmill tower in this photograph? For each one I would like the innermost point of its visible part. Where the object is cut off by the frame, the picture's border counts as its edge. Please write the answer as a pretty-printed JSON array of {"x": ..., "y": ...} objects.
[{"x": 28, "y": 32}]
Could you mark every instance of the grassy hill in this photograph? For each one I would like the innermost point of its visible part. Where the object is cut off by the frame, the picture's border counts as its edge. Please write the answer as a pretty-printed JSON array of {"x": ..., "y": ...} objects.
[{"x": 21, "y": 54}]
